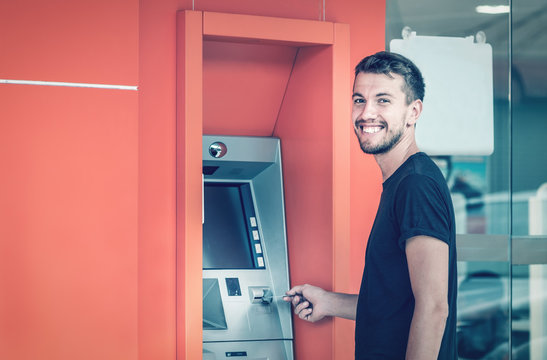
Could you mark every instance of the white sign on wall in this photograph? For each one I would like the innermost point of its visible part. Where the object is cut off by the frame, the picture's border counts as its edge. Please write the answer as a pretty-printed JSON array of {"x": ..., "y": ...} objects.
[{"x": 458, "y": 114}]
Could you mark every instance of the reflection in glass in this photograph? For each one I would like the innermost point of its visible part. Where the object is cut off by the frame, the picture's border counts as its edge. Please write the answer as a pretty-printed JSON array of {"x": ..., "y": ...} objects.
[{"x": 482, "y": 316}]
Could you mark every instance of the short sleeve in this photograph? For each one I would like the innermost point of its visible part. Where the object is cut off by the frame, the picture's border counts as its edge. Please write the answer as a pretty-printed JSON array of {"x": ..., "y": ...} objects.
[{"x": 420, "y": 209}]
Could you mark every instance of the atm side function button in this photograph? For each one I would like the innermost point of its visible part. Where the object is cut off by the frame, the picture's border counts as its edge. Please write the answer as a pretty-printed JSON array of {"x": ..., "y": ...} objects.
[
  {"x": 258, "y": 249},
  {"x": 232, "y": 284},
  {"x": 260, "y": 261},
  {"x": 252, "y": 219},
  {"x": 255, "y": 235}
]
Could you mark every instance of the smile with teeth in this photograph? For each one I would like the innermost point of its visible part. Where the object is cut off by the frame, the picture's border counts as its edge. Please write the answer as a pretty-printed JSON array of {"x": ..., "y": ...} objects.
[{"x": 370, "y": 129}]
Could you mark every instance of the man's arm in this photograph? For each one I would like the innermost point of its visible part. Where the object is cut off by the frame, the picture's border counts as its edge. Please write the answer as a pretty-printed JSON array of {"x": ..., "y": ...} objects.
[
  {"x": 427, "y": 259},
  {"x": 312, "y": 303}
]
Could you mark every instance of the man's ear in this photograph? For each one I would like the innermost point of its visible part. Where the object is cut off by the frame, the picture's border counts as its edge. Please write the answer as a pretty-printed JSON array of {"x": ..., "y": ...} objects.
[{"x": 415, "y": 109}]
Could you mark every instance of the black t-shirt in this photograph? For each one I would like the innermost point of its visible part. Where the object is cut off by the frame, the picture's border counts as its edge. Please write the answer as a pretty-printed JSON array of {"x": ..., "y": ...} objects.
[{"x": 415, "y": 201}]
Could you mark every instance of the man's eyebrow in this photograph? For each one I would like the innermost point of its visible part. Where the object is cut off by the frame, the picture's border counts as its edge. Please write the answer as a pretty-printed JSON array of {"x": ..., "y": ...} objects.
[
  {"x": 383, "y": 94},
  {"x": 377, "y": 95}
]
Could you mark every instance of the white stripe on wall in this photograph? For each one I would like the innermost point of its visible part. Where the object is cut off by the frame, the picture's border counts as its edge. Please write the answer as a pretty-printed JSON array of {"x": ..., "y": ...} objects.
[{"x": 57, "y": 83}]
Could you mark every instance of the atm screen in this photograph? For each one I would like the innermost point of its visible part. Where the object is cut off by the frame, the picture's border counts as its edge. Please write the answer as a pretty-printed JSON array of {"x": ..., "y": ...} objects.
[{"x": 226, "y": 243}]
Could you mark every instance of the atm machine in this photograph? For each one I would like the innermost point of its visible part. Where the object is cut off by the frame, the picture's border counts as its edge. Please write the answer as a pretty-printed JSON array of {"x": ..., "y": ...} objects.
[{"x": 245, "y": 266}]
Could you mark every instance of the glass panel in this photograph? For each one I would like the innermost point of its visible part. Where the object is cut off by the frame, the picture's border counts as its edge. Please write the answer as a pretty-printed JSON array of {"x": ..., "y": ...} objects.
[
  {"x": 480, "y": 183},
  {"x": 483, "y": 316},
  {"x": 529, "y": 173},
  {"x": 520, "y": 320}
]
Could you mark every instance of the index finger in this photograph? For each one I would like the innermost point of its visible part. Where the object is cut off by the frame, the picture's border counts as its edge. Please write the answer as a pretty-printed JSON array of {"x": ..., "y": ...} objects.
[{"x": 295, "y": 290}]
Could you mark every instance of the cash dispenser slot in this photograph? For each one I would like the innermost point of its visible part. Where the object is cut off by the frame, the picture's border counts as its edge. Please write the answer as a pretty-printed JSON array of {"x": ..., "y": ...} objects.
[{"x": 213, "y": 318}]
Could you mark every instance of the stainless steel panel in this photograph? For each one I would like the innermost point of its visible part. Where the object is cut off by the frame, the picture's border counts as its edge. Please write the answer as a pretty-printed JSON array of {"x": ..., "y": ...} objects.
[
  {"x": 253, "y": 350},
  {"x": 263, "y": 329}
]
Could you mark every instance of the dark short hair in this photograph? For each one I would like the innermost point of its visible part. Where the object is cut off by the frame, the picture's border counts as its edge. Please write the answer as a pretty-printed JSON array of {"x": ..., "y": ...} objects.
[{"x": 389, "y": 63}]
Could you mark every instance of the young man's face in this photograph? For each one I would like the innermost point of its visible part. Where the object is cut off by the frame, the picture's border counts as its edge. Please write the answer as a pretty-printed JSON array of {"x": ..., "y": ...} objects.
[{"x": 380, "y": 113}]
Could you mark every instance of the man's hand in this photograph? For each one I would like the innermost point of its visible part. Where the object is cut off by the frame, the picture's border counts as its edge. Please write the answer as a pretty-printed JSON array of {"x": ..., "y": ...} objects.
[
  {"x": 311, "y": 303},
  {"x": 308, "y": 302}
]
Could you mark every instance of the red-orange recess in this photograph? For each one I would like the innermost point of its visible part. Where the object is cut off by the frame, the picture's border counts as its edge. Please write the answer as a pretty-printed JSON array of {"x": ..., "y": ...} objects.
[{"x": 312, "y": 123}]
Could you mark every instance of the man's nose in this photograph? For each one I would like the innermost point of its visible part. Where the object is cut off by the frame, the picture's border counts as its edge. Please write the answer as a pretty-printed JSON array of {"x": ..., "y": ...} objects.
[{"x": 368, "y": 112}]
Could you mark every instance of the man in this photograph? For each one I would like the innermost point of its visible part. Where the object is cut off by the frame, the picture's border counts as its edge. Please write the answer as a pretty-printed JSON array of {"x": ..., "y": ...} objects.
[{"x": 406, "y": 307}]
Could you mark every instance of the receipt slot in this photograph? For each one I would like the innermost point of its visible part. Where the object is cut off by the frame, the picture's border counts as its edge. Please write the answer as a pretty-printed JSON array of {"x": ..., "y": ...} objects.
[{"x": 245, "y": 266}]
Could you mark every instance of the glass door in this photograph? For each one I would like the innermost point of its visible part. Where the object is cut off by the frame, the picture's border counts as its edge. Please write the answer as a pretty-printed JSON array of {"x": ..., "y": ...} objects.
[
  {"x": 500, "y": 198},
  {"x": 529, "y": 179},
  {"x": 482, "y": 184}
]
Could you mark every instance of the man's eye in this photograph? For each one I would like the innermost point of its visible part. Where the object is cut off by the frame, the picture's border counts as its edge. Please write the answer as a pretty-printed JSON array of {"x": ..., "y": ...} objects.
[
  {"x": 358, "y": 101},
  {"x": 383, "y": 101}
]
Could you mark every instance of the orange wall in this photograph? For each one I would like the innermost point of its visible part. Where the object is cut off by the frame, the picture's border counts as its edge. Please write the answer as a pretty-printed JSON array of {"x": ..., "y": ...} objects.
[
  {"x": 87, "y": 235},
  {"x": 68, "y": 228},
  {"x": 189, "y": 184},
  {"x": 72, "y": 41},
  {"x": 157, "y": 179},
  {"x": 305, "y": 129},
  {"x": 367, "y": 36},
  {"x": 244, "y": 86},
  {"x": 69, "y": 185}
]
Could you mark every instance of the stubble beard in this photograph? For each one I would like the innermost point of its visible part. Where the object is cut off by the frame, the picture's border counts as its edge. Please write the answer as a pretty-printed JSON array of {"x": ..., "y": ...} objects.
[{"x": 383, "y": 146}]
